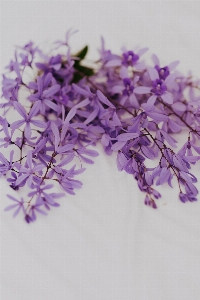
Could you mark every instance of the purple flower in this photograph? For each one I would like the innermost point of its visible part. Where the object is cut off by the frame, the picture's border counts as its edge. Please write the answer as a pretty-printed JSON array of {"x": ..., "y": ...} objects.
[
  {"x": 7, "y": 140},
  {"x": 127, "y": 89},
  {"x": 159, "y": 88},
  {"x": 12, "y": 181},
  {"x": 40, "y": 151},
  {"x": 131, "y": 58},
  {"x": 19, "y": 205},
  {"x": 69, "y": 184},
  {"x": 44, "y": 197},
  {"x": 27, "y": 173},
  {"x": 59, "y": 148},
  {"x": 164, "y": 71},
  {"x": 149, "y": 201},
  {"x": 27, "y": 118},
  {"x": 44, "y": 93},
  {"x": 6, "y": 165},
  {"x": 31, "y": 216}
]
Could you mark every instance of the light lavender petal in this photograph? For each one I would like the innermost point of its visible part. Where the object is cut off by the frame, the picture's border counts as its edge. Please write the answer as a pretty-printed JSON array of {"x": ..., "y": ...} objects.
[
  {"x": 142, "y": 90},
  {"x": 167, "y": 98},
  {"x": 153, "y": 73}
]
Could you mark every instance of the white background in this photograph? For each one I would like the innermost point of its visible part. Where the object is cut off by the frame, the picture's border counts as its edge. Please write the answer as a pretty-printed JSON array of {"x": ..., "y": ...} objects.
[{"x": 104, "y": 243}]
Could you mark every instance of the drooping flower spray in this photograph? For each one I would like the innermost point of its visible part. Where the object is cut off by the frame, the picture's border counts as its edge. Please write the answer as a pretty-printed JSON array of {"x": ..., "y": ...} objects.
[{"x": 131, "y": 107}]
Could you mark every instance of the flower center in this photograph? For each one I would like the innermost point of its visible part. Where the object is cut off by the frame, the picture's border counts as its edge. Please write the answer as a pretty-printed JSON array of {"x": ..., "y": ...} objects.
[
  {"x": 159, "y": 87},
  {"x": 129, "y": 58},
  {"x": 163, "y": 72},
  {"x": 128, "y": 87}
]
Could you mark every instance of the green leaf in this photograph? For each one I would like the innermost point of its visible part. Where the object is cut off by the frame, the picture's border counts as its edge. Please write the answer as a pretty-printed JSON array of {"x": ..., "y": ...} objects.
[
  {"x": 82, "y": 71},
  {"x": 81, "y": 54}
]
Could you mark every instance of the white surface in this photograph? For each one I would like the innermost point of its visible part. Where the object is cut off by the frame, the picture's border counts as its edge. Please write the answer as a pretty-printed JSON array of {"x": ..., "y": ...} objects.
[{"x": 104, "y": 243}]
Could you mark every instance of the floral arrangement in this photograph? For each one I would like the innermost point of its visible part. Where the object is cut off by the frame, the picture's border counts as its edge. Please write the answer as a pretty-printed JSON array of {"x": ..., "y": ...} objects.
[{"x": 127, "y": 105}]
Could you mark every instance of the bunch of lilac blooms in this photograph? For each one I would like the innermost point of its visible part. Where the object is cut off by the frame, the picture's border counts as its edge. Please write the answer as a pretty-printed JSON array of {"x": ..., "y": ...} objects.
[{"x": 130, "y": 107}]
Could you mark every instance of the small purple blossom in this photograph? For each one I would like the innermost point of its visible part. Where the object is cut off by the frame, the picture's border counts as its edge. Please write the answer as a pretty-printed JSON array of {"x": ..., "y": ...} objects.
[
  {"x": 18, "y": 206},
  {"x": 27, "y": 118}
]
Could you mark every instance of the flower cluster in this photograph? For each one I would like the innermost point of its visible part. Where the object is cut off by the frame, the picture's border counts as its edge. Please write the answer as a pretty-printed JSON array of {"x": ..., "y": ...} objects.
[{"x": 130, "y": 107}]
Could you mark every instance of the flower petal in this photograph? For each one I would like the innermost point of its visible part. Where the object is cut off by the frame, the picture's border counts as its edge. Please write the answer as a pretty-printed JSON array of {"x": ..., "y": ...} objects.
[
  {"x": 142, "y": 90},
  {"x": 153, "y": 73},
  {"x": 20, "y": 109},
  {"x": 167, "y": 98}
]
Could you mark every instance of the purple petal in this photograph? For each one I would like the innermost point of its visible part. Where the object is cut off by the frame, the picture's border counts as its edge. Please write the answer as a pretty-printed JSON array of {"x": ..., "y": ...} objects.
[
  {"x": 133, "y": 101},
  {"x": 173, "y": 126},
  {"x": 56, "y": 134},
  {"x": 70, "y": 115},
  {"x": 179, "y": 106},
  {"x": 113, "y": 63},
  {"x": 12, "y": 198},
  {"x": 21, "y": 178},
  {"x": 103, "y": 99},
  {"x": 20, "y": 109},
  {"x": 50, "y": 104},
  {"x": 67, "y": 160},
  {"x": 142, "y": 90},
  {"x": 17, "y": 124},
  {"x": 142, "y": 51},
  {"x": 157, "y": 116},
  {"x": 170, "y": 79},
  {"x": 153, "y": 73},
  {"x": 156, "y": 60},
  {"x": 116, "y": 120},
  {"x": 17, "y": 211},
  {"x": 105, "y": 140},
  {"x": 3, "y": 160},
  {"x": 167, "y": 98},
  {"x": 82, "y": 103},
  {"x": 122, "y": 161},
  {"x": 164, "y": 175},
  {"x": 27, "y": 130},
  {"x": 148, "y": 178},
  {"x": 118, "y": 146},
  {"x": 151, "y": 101},
  {"x": 148, "y": 152},
  {"x": 47, "y": 80},
  {"x": 40, "y": 211},
  {"x": 40, "y": 85},
  {"x": 171, "y": 141},
  {"x": 30, "y": 180},
  {"x": 124, "y": 137},
  {"x": 38, "y": 168},
  {"x": 5, "y": 128},
  {"x": 38, "y": 123},
  {"x": 81, "y": 91},
  {"x": 65, "y": 148},
  {"x": 191, "y": 159},
  {"x": 173, "y": 65},
  {"x": 179, "y": 163},
  {"x": 51, "y": 91},
  {"x": 92, "y": 116},
  {"x": 29, "y": 158},
  {"x": 47, "y": 187},
  {"x": 89, "y": 152},
  {"x": 34, "y": 109},
  {"x": 197, "y": 149},
  {"x": 10, "y": 207},
  {"x": 64, "y": 130},
  {"x": 85, "y": 159}
]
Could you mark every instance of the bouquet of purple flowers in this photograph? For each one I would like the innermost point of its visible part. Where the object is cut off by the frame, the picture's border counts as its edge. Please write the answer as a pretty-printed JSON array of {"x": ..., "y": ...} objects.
[{"x": 127, "y": 105}]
